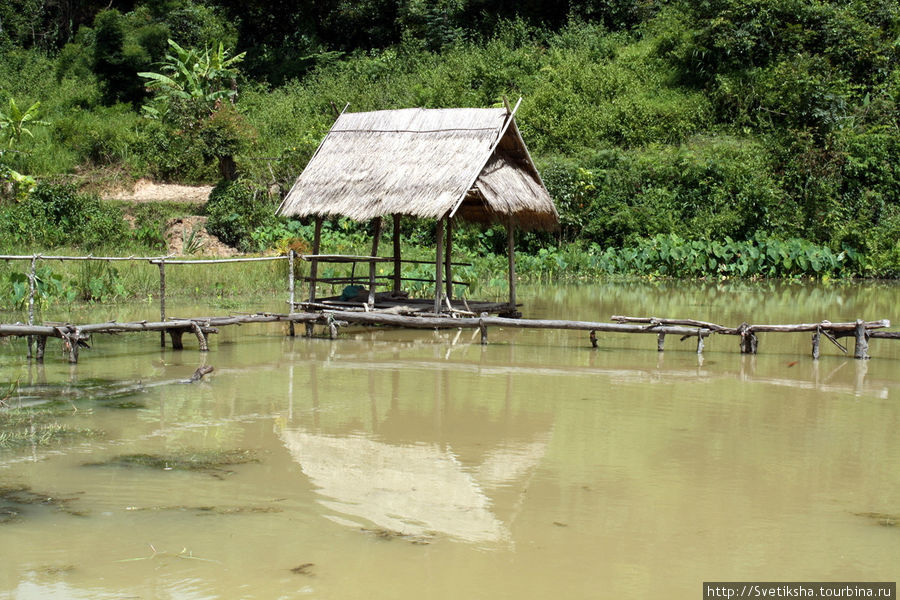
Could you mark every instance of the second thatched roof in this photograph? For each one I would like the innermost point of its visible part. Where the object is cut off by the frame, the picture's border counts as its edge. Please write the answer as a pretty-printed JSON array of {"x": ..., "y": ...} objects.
[{"x": 426, "y": 163}]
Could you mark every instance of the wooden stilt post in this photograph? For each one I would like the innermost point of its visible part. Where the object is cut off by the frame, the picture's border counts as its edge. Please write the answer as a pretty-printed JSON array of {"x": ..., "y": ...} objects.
[
  {"x": 397, "y": 263},
  {"x": 448, "y": 266},
  {"x": 177, "y": 343},
  {"x": 439, "y": 267},
  {"x": 660, "y": 342},
  {"x": 593, "y": 338},
  {"x": 483, "y": 328},
  {"x": 32, "y": 287},
  {"x": 511, "y": 251},
  {"x": 699, "y": 342},
  {"x": 314, "y": 268},
  {"x": 749, "y": 342},
  {"x": 201, "y": 337},
  {"x": 72, "y": 339},
  {"x": 162, "y": 300},
  {"x": 313, "y": 263},
  {"x": 861, "y": 349},
  {"x": 815, "y": 346},
  {"x": 291, "y": 331},
  {"x": 373, "y": 265}
]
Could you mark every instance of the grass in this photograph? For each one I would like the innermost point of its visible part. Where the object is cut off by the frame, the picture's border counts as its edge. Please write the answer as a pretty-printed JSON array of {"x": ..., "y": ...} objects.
[
  {"x": 201, "y": 511},
  {"x": 39, "y": 427},
  {"x": 206, "y": 461},
  {"x": 16, "y": 499}
]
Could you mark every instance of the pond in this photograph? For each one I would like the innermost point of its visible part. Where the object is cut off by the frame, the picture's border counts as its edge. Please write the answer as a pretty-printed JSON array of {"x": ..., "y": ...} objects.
[{"x": 413, "y": 464}]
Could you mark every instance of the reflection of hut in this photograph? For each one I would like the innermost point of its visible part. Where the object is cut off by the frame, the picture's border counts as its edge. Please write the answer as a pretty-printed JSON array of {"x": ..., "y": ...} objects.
[
  {"x": 442, "y": 164},
  {"x": 414, "y": 490}
]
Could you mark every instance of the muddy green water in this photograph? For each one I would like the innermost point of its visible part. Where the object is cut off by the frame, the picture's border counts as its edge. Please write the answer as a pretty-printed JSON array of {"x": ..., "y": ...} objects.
[{"x": 412, "y": 464}]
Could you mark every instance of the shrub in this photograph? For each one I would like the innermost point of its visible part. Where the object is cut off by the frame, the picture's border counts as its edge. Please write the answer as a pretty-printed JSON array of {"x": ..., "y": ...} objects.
[
  {"x": 236, "y": 209},
  {"x": 55, "y": 214}
]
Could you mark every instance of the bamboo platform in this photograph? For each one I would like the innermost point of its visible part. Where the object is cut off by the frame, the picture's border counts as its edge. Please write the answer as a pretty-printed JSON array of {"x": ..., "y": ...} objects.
[{"x": 74, "y": 336}]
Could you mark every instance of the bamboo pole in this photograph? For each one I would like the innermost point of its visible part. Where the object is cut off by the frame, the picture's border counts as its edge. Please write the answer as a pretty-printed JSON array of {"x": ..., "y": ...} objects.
[
  {"x": 32, "y": 287},
  {"x": 448, "y": 267},
  {"x": 397, "y": 259},
  {"x": 162, "y": 300},
  {"x": 214, "y": 261},
  {"x": 314, "y": 264},
  {"x": 511, "y": 244},
  {"x": 438, "y": 260},
  {"x": 314, "y": 268},
  {"x": 88, "y": 257},
  {"x": 375, "y": 240},
  {"x": 291, "y": 282}
]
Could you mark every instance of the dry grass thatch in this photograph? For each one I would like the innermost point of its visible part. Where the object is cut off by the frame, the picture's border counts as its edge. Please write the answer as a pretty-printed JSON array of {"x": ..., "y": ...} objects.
[{"x": 423, "y": 163}]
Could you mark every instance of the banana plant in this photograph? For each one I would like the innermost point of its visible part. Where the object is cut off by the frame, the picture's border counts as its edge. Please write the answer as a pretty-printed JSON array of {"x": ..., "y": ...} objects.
[
  {"x": 14, "y": 122},
  {"x": 201, "y": 78}
]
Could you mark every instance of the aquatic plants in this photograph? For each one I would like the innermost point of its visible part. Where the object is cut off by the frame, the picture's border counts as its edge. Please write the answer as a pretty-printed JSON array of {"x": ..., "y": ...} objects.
[
  {"x": 207, "y": 461},
  {"x": 18, "y": 499},
  {"x": 40, "y": 427},
  {"x": 670, "y": 255}
]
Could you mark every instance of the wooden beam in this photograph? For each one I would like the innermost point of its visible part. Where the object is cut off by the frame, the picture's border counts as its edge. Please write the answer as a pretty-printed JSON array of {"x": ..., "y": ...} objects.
[
  {"x": 314, "y": 264},
  {"x": 438, "y": 265},
  {"x": 397, "y": 260},
  {"x": 375, "y": 240},
  {"x": 448, "y": 267},
  {"x": 511, "y": 251},
  {"x": 162, "y": 300},
  {"x": 292, "y": 300}
]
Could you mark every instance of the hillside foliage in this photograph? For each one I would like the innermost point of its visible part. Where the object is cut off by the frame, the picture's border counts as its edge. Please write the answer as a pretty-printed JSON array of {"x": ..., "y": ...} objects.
[{"x": 721, "y": 122}]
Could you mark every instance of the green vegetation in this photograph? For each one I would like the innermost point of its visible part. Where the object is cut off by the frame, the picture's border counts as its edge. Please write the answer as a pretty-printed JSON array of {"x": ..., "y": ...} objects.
[
  {"x": 733, "y": 138},
  {"x": 39, "y": 427},
  {"x": 207, "y": 461},
  {"x": 17, "y": 500}
]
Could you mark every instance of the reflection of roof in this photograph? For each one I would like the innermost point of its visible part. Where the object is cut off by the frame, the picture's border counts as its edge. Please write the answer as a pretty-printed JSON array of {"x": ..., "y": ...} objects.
[
  {"x": 424, "y": 163},
  {"x": 414, "y": 490}
]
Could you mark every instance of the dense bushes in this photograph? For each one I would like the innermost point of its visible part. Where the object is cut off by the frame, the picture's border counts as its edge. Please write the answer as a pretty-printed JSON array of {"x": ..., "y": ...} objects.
[
  {"x": 236, "y": 209},
  {"x": 55, "y": 215},
  {"x": 704, "y": 188}
]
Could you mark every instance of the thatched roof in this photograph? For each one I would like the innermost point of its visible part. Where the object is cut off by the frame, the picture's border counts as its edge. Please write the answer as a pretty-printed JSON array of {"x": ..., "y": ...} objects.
[{"x": 426, "y": 163}]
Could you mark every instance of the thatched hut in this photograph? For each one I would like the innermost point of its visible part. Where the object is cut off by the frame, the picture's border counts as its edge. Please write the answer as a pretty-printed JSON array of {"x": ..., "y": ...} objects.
[{"x": 442, "y": 164}]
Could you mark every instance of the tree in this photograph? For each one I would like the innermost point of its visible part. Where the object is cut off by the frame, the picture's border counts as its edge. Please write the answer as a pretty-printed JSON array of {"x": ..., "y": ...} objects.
[
  {"x": 193, "y": 81},
  {"x": 115, "y": 62},
  {"x": 195, "y": 92}
]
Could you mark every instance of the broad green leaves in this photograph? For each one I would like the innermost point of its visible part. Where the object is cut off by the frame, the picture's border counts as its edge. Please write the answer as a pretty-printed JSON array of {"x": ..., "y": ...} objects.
[
  {"x": 196, "y": 80},
  {"x": 14, "y": 122}
]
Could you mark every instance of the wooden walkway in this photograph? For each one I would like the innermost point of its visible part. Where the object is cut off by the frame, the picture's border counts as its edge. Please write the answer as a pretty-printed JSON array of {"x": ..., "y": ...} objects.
[
  {"x": 75, "y": 336},
  {"x": 393, "y": 309}
]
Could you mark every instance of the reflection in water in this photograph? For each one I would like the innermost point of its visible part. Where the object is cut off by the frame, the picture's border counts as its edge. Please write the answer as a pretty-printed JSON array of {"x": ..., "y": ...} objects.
[
  {"x": 413, "y": 490},
  {"x": 417, "y": 490}
]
